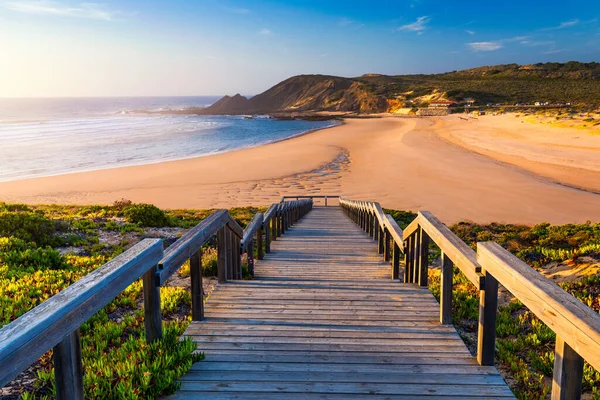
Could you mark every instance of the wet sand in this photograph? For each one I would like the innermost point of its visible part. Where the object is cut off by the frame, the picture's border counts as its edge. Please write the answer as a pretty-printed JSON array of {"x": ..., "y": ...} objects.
[{"x": 404, "y": 163}]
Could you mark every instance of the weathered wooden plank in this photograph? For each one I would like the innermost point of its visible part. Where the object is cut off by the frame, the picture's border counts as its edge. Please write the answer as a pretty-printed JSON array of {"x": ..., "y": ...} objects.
[
  {"x": 425, "y": 369},
  {"x": 182, "y": 395},
  {"x": 349, "y": 388},
  {"x": 574, "y": 322},
  {"x": 345, "y": 377},
  {"x": 320, "y": 357},
  {"x": 28, "y": 337}
]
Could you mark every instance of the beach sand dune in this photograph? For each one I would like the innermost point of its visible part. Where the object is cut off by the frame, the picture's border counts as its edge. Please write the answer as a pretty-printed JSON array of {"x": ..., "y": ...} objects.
[{"x": 444, "y": 165}]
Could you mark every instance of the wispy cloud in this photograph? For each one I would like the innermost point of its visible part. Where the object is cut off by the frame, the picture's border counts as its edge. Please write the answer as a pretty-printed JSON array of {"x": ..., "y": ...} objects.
[
  {"x": 345, "y": 22},
  {"x": 495, "y": 44},
  {"x": 237, "y": 10},
  {"x": 537, "y": 43},
  {"x": 553, "y": 51},
  {"x": 76, "y": 10},
  {"x": 265, "y": 32},
  {"x": 418, "y": 26},
  {"x": 485, "y": 46},
  {"x": 470, "y": 32},
  {"x": 563, "y": 25}
]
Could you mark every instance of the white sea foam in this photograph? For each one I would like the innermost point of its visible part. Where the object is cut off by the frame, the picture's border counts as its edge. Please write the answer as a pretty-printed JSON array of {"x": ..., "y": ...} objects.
[{"x": 46, "y": 146}]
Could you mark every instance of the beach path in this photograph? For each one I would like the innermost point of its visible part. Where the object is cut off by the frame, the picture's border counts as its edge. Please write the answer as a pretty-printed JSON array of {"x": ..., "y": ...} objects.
[{"x": 323, "y": 319}]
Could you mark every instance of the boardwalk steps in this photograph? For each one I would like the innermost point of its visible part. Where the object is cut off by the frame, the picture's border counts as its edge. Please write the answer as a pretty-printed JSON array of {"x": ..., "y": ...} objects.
[{"x": 323, "y": 319}]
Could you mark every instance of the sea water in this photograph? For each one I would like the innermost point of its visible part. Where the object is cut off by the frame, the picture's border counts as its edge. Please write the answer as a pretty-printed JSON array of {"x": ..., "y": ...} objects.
[{"x": 43, "y": 137}]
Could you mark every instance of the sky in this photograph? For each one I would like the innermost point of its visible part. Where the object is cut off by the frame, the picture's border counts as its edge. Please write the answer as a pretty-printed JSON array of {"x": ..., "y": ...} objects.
[{"x": 70, "y": 48}]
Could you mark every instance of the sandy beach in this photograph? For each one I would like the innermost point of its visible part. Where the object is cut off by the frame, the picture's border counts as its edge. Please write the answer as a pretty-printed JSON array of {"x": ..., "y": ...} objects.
[{"x": 491, "y": 169}]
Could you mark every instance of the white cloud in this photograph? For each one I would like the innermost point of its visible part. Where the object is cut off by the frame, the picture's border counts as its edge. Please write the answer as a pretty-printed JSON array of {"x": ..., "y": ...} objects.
[
  {"x": 50, "y": 7},
  {"x": 485, "y": 46},
  {"x": 265, "y": 31},
  {"x": 418, "y": 26},
  {"x": 470, "y": 32}
]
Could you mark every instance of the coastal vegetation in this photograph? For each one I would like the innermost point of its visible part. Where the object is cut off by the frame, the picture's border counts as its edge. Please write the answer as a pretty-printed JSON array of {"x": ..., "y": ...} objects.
[
  {"x": 573, "y": 83},
  {"x": 45, "y": 248}
]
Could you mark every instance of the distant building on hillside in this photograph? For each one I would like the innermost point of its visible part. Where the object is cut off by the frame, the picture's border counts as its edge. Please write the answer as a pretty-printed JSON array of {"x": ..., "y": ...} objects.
[
  {"x": 433, "y": 111},
  {"x": 441, "y": 104}
]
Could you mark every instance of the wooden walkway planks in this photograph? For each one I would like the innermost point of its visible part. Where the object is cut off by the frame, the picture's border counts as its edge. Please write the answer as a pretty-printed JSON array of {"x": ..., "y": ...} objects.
[{"x": 323, "y": 319}]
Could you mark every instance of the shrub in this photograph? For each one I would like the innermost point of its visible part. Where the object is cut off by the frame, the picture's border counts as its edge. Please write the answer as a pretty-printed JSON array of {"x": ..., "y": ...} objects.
[
  {"x": 17, "y": 254},
  {"x": 28, "y": 226},
  {"x": 145, "y": 215}
]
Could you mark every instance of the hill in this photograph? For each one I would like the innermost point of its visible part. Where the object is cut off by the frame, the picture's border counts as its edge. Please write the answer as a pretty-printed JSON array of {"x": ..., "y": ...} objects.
[{"x": 573, "y": 82}]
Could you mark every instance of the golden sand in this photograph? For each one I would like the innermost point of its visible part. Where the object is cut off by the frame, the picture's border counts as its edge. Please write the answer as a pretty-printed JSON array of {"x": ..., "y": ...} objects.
[{"x": 489, "y": 169}]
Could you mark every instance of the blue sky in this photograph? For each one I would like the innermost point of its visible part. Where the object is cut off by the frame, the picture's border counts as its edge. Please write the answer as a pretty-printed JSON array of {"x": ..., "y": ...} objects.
[{"x": 209, "y": 47}]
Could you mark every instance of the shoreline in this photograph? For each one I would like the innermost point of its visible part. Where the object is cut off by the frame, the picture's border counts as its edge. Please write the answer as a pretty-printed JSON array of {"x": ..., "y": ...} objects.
[
  {"x": 403, "y": 163},
  {"x": 306, "y": 132}
]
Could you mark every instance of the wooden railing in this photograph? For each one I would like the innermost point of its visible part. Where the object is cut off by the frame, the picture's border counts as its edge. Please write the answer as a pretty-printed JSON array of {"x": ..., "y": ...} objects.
[
  {"x": 380, "y": 226},
  {"x": 311, "y": 197},
  {"x": 55, "y": 323},
  {"x": 577, "y": 326}
]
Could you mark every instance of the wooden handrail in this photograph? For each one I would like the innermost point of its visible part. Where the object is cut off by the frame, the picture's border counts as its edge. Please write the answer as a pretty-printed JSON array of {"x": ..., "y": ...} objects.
[
  {"x": 181, "y": 251},
  {"x": 577, "y": 326},
  {"x": 55, "y": 323},
  {"x": 452, "y": 246},
  {"x": 311, "y": 197}
]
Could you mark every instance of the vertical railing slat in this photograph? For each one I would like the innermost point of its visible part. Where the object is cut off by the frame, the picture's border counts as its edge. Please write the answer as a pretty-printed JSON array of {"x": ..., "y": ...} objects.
[
  {"x": 197, "y": 290},
  {"x": 68, "y": 369}
]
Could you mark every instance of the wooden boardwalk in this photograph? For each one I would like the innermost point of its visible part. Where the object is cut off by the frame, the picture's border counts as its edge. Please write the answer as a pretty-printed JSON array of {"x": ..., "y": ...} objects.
[{"x": 323, "y": 320}]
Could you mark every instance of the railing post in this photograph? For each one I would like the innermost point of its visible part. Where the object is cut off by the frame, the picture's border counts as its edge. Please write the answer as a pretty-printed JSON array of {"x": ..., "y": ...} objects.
[
  {"x": 222, "y": 255},
  {"x": 268, "y": 237},
  {"x": 152, "y": 313},
  {"x": 68, "y": 369},
  {"x": 386, "y": 245},
  {"x": 259, "y": 243},
  {"x": 407, "y": 259},
  {"x": 375, "y": 229},
  {"x": 423, "y": 258},
  {"x": 488, "y": 307},
  {"x": 380, "y": 241},
  {"x": 396, "y": 262},
  {"x": 568, "y": 372},
  {"x": 325, "y": 201},
  {"x": 416, "y": 256},
  {"x": 197, "y": 290},
  {"x": 237, "y": 257},
  {"x": 273, "y": 226},
  {"x": 250, "y": 254},
  {"x": 446, "y": 290},
  {"x": 230, "y": 255}
]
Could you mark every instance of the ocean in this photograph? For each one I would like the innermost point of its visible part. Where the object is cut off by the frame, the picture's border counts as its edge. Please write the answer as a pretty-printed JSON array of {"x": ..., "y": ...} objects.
[{"x": 44, "y": 137}]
